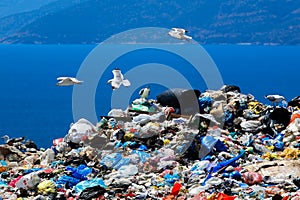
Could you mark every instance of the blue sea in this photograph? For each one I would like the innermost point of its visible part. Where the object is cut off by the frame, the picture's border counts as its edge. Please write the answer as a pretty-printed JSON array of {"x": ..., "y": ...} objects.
[{"x": 32, "y": 105}]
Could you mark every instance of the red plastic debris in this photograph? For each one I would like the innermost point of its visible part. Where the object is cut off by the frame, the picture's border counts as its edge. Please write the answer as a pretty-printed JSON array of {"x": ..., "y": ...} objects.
[
  {"x": 252, "y": 178},
  {"x": 294, "y": 116},
  {"x": 169, "y": 110},
  {"x": 13, "y": 182},
  {"x": 176, "y": 188},
  {"x": 57, "y": 141},
  {"x": 222, "y": 196}
]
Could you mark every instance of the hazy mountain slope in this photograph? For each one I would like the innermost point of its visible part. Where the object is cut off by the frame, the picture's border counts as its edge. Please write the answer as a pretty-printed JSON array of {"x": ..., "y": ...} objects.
[
  {"x": 10, "y": 26},
  {"x": 10, "y": 7},
  {"x": 218, "y": 21}
]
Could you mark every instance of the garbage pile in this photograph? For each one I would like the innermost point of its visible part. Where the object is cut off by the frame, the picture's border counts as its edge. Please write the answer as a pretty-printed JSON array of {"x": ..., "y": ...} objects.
[{"x": 230, "y": 147}]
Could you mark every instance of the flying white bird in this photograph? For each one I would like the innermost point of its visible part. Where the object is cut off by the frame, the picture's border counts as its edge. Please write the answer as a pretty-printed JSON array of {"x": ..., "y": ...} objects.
[
  {"x": 179, "y": 33},
  {"x": 275, "y": 98},
  {"x": 144, "y": 93},
  {"x": 118, "y": 80},
  {"x": 66, "y": 81}
]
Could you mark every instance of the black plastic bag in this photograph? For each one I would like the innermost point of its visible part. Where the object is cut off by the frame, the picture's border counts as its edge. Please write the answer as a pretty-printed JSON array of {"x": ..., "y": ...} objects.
[
  {"x": 92, "y": 192},
  {"x": 184, "y": 101}
]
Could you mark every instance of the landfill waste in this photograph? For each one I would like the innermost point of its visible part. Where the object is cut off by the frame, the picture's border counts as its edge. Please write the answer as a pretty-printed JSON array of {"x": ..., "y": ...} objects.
[
  {"x": 182, "y": 100},
  {"x": 221, "y": 145}
]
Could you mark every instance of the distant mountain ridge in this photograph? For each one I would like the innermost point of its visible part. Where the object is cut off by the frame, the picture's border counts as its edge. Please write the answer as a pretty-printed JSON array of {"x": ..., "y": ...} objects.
[
  {"x": 10, "y": 7},
  {"x": 209, "y": 22}
]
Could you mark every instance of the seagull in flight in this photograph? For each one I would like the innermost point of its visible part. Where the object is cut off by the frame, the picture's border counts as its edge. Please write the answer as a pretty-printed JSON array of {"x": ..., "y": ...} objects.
[
  {"x": 275, "y": 98},
  {"x": 67, "y": 81},
  {"x": 118, "y": 80},
  {"x": 179, "y": 33}
]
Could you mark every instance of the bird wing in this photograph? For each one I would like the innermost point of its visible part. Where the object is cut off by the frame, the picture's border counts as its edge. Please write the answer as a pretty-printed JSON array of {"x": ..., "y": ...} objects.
[
  {"x": 178, "y": 29},
  {"x": 75, "y": 80},
  {"x": 141, "y": 92},
  {"x": 61, "y": 78},
  {"x": 270, "y": 97},
  {"x": 126, "y": 82},
  {"x": 181, "y": 30},
  {"x": 279, "y": 96},
  {"x": 187, "y": 37}
]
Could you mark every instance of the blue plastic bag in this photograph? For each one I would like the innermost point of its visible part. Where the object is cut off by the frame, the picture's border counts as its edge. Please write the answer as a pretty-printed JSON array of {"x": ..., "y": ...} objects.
[
  {"x": 279, "y": 146},
  {"x": 204, "y": 103},
  {"x": 111, "y": 160},
  {"x": 123, "y": 161},
  {"x": 279, "y": 137},
  {"x": 2, "y": 183},
  {"x": 220, "y": 146},
  {"x": 171, "y": 179},
  {"x": 89, "y": 183},
  {"x": 207, "y": 144},
  {"x": 80, "y": 172},
  {"x": 3, "y": 163},
  {"x": 67, "y": 180},
  {"x": 143, "y": 156},
  {"x": 28, "y": 171},
  {"x": 229, "y": 118},
  {"x": 222, "y": 165},
  {"x": 142, "y": 148}
]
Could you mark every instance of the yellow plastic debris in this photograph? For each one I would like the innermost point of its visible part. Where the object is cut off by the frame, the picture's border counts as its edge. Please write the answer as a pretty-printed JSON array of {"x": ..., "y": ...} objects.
[
  {"x": 270, "y": 156},
  {"x": 270, "y": 148},
  {"x": 46, "y": 187},
  {"x": 128, "y": 136},
  {"x": 290, "y": 153},
  {"x": 256, "y": 107},
  {"x": 166, "y": 141}
]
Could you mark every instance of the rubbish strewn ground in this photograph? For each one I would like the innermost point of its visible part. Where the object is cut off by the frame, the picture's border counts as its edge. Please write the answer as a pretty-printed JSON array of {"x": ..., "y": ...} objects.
[{"x": 230, "y": 146}]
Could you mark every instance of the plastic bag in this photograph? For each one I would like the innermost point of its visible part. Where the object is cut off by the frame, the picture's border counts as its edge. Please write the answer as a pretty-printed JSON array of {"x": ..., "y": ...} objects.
[
  {"x": 79, "y": 131},
  {"x": 128, "y": 170},
  {"x": 46, "y": 187},
  {"x": 67, "y": 181},
  {"x": 252, "y": 178},
  {"x": 111, "y": 160},
  {"x": 47, "y": 157},
  {"x": 207, "y": 144},
  {"x": 89, "y": 184},
  {"x": 116, "y": 113},
  {"x": 143, "y": 156},
  {"x": 91, "y": 192},
  {"x": 141, "y": 119},
  {"x": 29, "y": 181},
  {"x": 122, "y": 162},
  {"x": 80, "y": 172}
]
